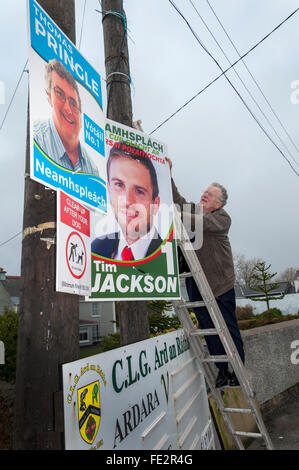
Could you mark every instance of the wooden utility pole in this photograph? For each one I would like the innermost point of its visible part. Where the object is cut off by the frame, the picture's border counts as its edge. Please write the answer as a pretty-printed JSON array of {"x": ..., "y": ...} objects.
[
  {"x": 48, "y": 320},
  {"x": 133, "y": 316}
]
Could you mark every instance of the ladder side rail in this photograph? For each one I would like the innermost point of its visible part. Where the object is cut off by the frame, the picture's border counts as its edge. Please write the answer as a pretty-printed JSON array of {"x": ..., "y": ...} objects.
[
  {"x": 211, "y": 304},
  {"x": 219, "y": 323},
  {"x": 198, "y": 350},
  {"x": 233, "y": 355}
]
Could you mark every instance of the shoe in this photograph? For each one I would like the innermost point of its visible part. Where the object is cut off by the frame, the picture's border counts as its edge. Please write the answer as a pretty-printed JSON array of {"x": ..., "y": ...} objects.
[
  {"x": 233, "y": 381},
  {"x": 222, "y": 379}
]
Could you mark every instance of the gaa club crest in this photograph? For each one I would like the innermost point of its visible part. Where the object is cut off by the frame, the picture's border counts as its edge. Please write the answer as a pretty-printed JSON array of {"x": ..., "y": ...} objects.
[{"x": 89, "y": 411}]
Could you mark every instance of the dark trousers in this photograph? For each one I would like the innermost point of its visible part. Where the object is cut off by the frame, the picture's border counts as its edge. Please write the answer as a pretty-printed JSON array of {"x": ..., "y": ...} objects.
[{"x": 227, "y": 305}]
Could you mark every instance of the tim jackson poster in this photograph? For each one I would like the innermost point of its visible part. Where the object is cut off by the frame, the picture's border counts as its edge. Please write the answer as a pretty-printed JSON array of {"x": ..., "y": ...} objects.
[
  {"x": 66, "y": 114},
  {"x": 133, "y": 248}
]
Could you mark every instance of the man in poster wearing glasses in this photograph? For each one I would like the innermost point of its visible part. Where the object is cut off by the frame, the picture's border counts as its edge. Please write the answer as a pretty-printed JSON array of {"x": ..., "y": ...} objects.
[{"x": 58, "y": 136}]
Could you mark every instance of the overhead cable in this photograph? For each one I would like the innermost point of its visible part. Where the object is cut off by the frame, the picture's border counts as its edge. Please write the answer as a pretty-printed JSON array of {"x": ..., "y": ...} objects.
[
  {"x": 243, "y": 83},
  {"x": 14, "y": 93},
  {"x": 82, "y": 24},
  {"x": 223, "y": 73},
  {"x": 11, "y": 238},
  {"x": 256, "y": 83},
  {"x": 234, "y": 88}
]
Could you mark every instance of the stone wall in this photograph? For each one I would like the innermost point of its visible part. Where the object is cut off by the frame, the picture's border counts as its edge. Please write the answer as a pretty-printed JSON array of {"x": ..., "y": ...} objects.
[{"x": 268, "y": 358}]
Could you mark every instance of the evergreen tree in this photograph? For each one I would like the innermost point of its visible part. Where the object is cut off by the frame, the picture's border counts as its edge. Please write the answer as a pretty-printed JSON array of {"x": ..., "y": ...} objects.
[{"x": 260, "y": 283}]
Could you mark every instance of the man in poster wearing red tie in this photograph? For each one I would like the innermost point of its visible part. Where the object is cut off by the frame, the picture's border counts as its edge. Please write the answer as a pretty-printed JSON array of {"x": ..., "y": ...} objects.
[{"x": 134, "y": 197}]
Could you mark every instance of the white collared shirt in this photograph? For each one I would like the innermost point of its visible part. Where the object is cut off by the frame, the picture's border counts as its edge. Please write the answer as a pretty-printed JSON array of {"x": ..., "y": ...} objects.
[{"x": 139, "y": 248}]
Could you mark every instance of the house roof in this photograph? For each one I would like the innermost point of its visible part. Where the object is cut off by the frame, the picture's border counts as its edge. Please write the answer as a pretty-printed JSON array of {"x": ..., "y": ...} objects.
[
  {"x": 283, "y": 288},
  {"x": 239, "y": 291},
  {"x": 13, "y": 285}
]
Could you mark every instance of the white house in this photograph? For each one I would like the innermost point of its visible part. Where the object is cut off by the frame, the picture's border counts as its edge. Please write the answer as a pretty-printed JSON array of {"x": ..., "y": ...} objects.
[{"x": 288, "y": 305}]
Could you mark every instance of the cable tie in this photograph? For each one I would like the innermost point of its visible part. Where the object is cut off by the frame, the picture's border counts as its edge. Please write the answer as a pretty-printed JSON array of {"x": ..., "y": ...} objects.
[
  {"x": 118, "y": 14},
  {"x": 119, "y": 73}
]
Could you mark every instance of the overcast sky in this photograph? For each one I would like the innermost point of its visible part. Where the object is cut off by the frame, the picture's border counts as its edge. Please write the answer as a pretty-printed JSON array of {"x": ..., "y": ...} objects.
[{"x": 214, "y": 138}]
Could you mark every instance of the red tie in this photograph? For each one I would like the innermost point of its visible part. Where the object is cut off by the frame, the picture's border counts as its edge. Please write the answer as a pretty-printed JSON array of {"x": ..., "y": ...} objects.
[{"x": 126, "y": 254}]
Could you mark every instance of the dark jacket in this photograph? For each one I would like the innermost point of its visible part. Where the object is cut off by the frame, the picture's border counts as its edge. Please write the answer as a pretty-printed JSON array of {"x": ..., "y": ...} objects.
[
  {"x": 107, "y": 246},
  {"x": 215, "y": 255}
]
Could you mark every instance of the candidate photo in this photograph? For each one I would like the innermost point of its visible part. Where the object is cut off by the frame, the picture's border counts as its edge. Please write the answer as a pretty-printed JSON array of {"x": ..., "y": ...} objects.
[
  {"x": 58, "y": 136},
  {"x": 133, "y": 191}
]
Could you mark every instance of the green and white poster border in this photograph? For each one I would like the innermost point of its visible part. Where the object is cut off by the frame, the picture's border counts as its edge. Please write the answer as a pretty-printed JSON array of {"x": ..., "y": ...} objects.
[{"x": 155, "y": 276}]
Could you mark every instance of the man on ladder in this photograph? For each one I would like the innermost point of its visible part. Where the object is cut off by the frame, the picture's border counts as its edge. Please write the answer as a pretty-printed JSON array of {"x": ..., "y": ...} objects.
[{"x": 216, "y": 259}]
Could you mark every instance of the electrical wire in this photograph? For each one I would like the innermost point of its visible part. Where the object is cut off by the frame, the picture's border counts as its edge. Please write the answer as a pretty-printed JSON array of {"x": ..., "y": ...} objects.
[
  {"x": 234, "y": 88},
  {"x": 223, "y": 73},
  {"x": 241, "y": 57},
  {"x": 232, "y": 85},
  {"x": 82, "y": 24},
  {"x": 11, "y": 238},
  {"x": 14, "y": 94},
  {"x": 243, "y": 83},
  {"x": 255, "y": 81}
]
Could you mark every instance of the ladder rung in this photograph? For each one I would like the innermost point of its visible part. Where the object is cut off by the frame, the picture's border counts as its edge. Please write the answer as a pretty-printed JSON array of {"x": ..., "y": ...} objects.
[
  {"x": 184, "y": 275},
  {"x": 207, "y": 332},
  {"x": 238, "y": 410},
  {"x": 215, "y": 359},
  {"x": 195, "y": 304},
  {"x": 248, "y": 434},
  {"x": 217, "y": 328}
]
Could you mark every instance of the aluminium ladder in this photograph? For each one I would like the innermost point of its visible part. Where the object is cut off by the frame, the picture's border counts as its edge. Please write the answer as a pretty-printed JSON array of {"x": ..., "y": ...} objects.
[{"x": 205, "y": 360}]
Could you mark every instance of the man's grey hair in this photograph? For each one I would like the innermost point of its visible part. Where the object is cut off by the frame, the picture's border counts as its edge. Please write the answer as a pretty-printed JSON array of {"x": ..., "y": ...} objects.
[{"x": 223, "y": 196}]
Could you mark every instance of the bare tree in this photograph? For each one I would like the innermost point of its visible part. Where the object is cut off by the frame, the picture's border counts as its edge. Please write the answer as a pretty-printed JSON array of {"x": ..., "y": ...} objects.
[
  {"x": 244, "y": 269},
  {"x": 287, "y": 275}
]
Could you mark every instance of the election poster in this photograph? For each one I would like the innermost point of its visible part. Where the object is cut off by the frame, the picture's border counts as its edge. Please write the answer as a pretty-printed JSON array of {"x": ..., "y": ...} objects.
[
  {"x": 73, "y": 246},
  {"x": 134, "y": 253},
  {"x": 67, "y": 145}
]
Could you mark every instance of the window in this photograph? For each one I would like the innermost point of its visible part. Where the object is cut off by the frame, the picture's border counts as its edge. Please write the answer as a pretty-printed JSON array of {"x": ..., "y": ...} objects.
[
  {"x": 95, "y": 333},
  {"x": 95, "y": 312},
  {"x": 83, "y": 335}
]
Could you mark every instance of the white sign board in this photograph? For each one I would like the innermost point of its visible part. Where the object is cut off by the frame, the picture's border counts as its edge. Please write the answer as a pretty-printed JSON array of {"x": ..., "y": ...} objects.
[
  {"x": 150, "y": 395},
  {"x": 73, "y": 255}
]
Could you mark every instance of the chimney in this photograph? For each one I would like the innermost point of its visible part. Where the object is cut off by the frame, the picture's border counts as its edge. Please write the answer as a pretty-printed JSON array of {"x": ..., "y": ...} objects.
[{"x": 2, "y": 274}]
